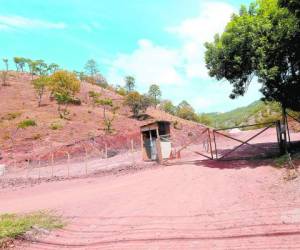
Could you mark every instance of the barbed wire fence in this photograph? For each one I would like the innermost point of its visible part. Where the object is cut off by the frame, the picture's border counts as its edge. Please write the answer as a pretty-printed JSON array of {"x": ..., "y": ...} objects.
[{"x": 81, "y": 158}]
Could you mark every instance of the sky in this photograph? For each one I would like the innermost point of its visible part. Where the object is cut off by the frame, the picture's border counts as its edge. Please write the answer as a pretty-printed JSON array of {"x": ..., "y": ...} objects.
[{"x": 156, "y": 41}]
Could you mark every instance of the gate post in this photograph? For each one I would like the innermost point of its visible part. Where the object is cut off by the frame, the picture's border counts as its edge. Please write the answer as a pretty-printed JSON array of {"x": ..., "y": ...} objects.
[
  {"x": 216, "y": 150},
  {"x": 279, "y": 137}
]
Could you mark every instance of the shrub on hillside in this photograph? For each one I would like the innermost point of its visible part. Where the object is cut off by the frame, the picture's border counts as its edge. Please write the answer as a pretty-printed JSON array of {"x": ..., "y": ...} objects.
[
  {"x": 138, "y": 103},
  {"x": 27, "y": 123},
  {"x": 64, "y": 85},
  {"x": 40, "y": 84}
]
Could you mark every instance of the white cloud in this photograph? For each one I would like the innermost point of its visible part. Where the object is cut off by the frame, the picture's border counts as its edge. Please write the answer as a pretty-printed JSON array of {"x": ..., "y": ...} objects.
[
  {"x": 194, "y": 32},
  {"x": 151, "y": 63},
  {"x": 212, "y": 19},
  {"x": 181, "y": 71},
  {"x": 148, "y": 64},
  {"x": 19, "y": 22}
]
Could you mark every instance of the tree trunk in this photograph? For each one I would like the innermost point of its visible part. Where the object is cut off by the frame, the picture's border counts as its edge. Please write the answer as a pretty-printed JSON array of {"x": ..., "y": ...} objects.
[{"x": 284, "y": 148}]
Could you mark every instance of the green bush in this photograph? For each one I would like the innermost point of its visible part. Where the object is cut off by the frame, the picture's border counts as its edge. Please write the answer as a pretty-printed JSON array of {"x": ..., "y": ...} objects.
[{"x": 27, "y": 123}]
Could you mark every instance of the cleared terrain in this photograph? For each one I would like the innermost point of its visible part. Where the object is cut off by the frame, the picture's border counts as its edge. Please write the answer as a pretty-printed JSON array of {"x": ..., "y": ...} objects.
[
  {"x": 189, "y": 203},
  {"x": 195, "y": 205}
]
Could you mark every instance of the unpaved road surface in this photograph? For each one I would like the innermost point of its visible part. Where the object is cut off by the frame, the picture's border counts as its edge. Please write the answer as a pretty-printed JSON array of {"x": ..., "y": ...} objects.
[{"x": 189, "y": 205}]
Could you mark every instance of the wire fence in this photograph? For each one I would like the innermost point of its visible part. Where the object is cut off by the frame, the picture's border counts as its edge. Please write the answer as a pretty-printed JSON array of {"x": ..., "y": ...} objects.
[{"x": 81, "y": 158}]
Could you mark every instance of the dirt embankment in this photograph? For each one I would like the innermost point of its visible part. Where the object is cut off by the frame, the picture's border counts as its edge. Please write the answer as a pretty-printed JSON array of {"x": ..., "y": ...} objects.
[{"x": 85, "y": 128}]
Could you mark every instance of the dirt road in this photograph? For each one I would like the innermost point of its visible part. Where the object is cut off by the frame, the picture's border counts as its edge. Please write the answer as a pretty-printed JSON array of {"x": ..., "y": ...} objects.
[{"x": 196, "y": 205}]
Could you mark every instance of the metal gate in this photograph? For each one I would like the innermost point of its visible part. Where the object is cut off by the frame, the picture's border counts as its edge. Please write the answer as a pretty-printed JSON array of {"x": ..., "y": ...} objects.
[
  {"x": 236, "y": 143},
  {"x": 293, "y": 131},
  {"x": 200, "y": 145}
]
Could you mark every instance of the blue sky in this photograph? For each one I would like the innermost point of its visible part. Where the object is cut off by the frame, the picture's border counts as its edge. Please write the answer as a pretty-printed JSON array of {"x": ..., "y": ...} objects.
[{"x": 155, "y": 41}]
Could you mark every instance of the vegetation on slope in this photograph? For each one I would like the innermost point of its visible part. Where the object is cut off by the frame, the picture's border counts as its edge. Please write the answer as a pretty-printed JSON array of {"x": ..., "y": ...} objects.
[
  {"x": 13, "y": 225},
  {"x": 256, "y": 112}
]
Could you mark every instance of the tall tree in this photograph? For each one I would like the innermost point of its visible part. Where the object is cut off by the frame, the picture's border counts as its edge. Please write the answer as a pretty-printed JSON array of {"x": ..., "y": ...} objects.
[
  {"x": 5, "y": 60},
  {"x": 292, "y": 5},
  {"x": 91, "y": 68},
  {"x": 129, "y": 83},
  {"x": 32, "y": 66},
  {"x": 17, "y": 62},
  {"x": 257, "y": 42},
  {"x": 40, "y": 85},
  {"x": 155, "y": 94}
]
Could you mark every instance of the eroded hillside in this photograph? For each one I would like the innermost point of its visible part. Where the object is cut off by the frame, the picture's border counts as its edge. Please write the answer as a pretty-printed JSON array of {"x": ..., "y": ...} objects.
[{"x": 19, "y": 102}]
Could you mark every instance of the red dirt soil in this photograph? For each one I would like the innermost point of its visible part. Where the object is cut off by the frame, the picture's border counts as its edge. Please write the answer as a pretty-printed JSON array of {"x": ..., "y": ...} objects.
[
  {"x": 197, "y": 205},
  {"x": 86, "y": 122},
  {"x": 189, "y": 204}
]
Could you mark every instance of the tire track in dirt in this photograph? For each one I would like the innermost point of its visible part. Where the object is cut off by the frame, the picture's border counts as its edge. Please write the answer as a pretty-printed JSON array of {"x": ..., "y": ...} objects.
[{"x": 179, "y": 207}]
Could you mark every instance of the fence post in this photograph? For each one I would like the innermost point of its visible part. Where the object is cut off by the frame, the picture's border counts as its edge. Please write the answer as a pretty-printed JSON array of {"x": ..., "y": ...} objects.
[
  {"x": 85, "y": 161},
  {"x": 105, "y": 151},
  {"x": 68, "y": 164},
  {"x": 28, "y": 166},
  {"x": 52, "y": 165},
  {"x": 132, "y": 153},
  {"x": 39, "y": 166}
]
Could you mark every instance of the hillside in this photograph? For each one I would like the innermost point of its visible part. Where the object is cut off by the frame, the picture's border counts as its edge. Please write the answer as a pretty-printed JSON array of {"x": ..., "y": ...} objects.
[
  {"x": 18, "y": 102},
  {"x": 256, "y": 112}
]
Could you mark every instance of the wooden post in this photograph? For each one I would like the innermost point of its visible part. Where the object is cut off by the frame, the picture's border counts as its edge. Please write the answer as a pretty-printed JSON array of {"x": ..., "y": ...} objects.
[
  {"x": 132, "y": 152},
  {"x": 142, "y": 147},
  {"x": 210, "y": 146},
  {"x": 216, "y": 149},
  {"x": 68, "y": 164},
  {"x": 52, "y": 165},
  {"x": 105, "y": 151},
  {"x": 28, "y": 166},
  {"x": 85, "y": 161},
  {"x": 39, "y": 168},
  {"x": 284, "y": 149}
]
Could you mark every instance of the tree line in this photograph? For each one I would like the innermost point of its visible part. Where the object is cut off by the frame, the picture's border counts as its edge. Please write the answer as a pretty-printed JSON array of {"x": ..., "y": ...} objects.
[{"x": 64, "y": 85}]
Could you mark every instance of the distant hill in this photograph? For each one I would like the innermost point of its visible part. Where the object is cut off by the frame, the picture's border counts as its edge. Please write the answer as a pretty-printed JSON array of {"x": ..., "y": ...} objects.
[{"x": 256, "y": 112}]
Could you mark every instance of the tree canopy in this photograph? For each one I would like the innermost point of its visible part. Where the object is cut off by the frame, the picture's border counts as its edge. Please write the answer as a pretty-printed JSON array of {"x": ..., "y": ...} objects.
[
  {"x": 91, "y": 67},
  {"x": 129, "y": 83},
  {"x": 138, "y": 103},
  {"x": 186, "y": 111},
  {"x": 259, "y": 42},
  {"x": 155, "y": 94}
]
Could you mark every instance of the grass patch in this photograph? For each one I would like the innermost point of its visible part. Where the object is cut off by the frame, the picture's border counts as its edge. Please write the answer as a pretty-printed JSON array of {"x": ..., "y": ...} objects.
[
  {"x": 13, "y": 225},
  {"x": 283, "y": 160},
  {"x": 27, "y": 123},
  {"x": 55, "y": 126}
]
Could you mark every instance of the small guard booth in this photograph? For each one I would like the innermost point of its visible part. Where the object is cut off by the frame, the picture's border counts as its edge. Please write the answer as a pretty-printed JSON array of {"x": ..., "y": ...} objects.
[{"x": 156, "y": 141}]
